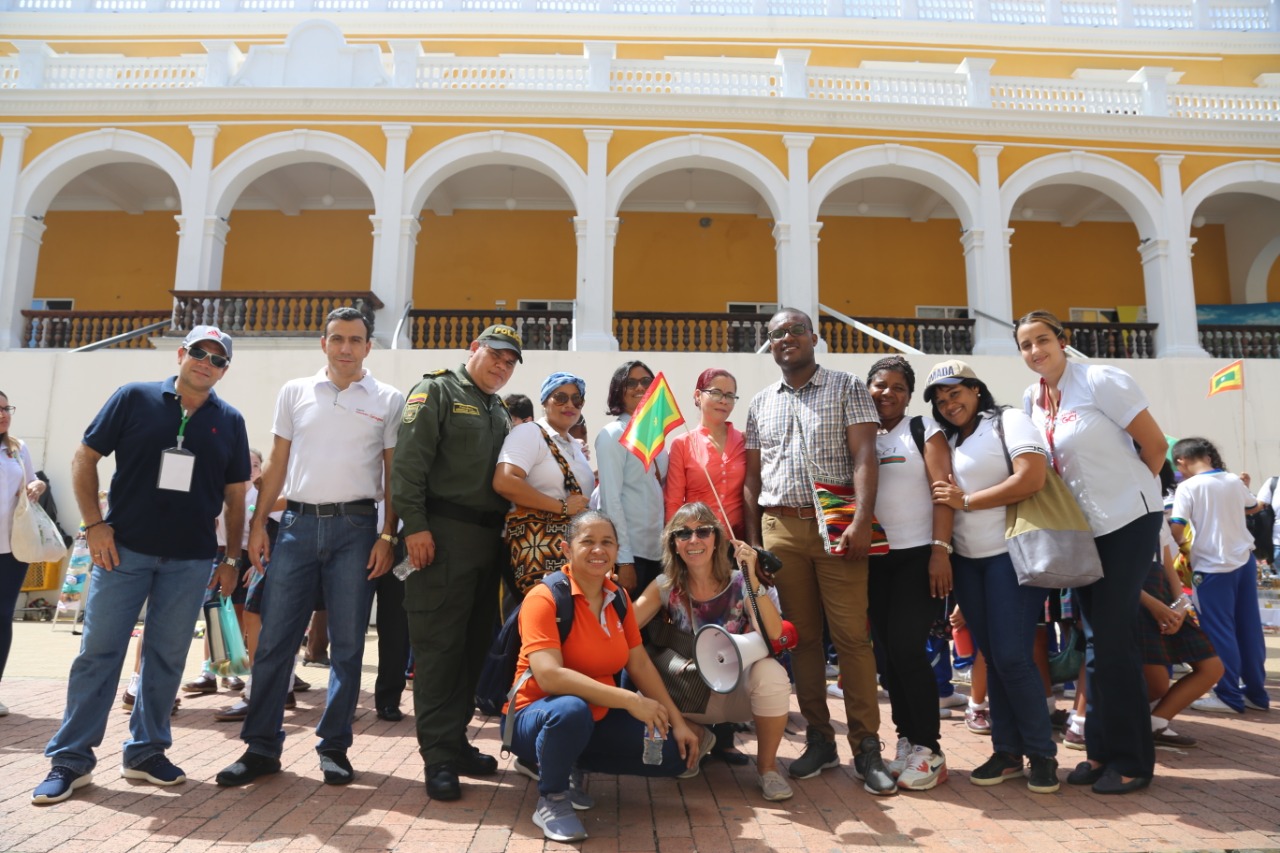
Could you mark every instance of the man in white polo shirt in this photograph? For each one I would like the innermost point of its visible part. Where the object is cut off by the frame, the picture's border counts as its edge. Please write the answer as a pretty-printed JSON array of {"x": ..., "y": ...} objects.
[{"x": 335, "y": 433}]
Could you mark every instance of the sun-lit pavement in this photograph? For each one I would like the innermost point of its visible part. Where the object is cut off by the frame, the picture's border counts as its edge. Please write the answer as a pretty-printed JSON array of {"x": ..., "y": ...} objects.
[{"x": 1224, "y": 794}]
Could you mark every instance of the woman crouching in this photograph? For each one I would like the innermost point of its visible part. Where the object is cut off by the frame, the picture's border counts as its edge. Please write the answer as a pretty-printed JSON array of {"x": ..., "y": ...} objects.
[{"x": 569, "y": 716}]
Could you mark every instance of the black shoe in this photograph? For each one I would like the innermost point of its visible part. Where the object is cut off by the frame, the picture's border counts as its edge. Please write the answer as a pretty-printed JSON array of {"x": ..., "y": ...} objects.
[
  {"x": 300, "y": 686},
  {"x": 235, "y": 714},
  {"x": 473, "y": 762},
  {"x": 391, "y": 714},
  {"x": 819, "y": 754},
  {"x": 290, "y": 701},
  {"x": 1085, "y": 774},
  {"x": 731, "y": 757},
  {"x": 1042, "y": 778},
  {"x": 442, "y": 782},
  {"x": 869, "y": 767},
  {"x": 336, "y": 767},
  {"x": 1111, "y": 783},
  {"x": 997, "y": 768},
  {"x": 247, "y": 768}
]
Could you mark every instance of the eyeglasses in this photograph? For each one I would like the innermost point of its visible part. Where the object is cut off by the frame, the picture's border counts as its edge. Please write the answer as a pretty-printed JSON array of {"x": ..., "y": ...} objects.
[
  {"x": 684, "y": 534},
  {"x": 633, "y": 384},
  {"x": 795, "y": 330},
  {"x": 8, "y": 410},
  {"x": 718, "y": 395},
  {"x": 218, "y": 361},
  {"x": 560, "y": 398}
]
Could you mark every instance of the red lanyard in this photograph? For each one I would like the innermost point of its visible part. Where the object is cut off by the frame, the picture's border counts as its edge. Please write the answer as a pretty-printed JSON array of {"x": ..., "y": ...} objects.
[{"x": 1050, "y": 422}]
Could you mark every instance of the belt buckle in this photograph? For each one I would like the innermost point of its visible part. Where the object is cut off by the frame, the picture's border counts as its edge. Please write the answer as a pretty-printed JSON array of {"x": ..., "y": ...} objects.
[{"x": 328, "y": 510}]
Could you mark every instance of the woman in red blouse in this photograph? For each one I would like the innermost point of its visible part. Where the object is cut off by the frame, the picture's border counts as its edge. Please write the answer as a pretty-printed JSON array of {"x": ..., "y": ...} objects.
[{"x": 713, "y": 454}]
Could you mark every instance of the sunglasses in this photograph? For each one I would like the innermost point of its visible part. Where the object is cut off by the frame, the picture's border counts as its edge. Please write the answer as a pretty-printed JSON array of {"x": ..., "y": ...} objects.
[
  {"x": 684, "y": 534},
  {"x": 718, "y": 395},
  {"x": 795, "y": 330},
  {"x": 642, "y": 382},
  {"x": 218, "y": 361},
  {"x": 560, "y": 398}
]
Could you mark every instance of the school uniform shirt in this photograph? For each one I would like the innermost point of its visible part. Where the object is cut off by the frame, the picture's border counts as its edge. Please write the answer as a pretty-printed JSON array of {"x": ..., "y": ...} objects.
[
  {"x": 1270, "y": 494},
  {"x": 526, "y": 448},
  {"x": 15, "y": 473},
  {"x": 1213, "y": 503},
  {"x": 337, "y": 437},
  {"x": 979, "y": 463},
  {"x": 1090, "y": 448},
  {"x": 904, "y": 503},
  {"x": 691, "y": 454}
]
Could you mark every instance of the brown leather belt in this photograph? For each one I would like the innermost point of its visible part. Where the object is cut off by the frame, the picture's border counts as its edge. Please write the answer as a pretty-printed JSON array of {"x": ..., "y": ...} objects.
[{"x": 790, "y": 511}]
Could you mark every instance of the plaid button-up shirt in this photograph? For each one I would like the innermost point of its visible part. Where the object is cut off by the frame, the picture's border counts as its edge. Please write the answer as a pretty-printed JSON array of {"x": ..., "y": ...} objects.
[{"x": 825, "y": 406}]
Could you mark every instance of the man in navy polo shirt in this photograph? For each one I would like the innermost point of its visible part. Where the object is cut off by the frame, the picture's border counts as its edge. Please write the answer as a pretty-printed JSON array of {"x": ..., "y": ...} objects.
[{"x": 181, "y": 455}]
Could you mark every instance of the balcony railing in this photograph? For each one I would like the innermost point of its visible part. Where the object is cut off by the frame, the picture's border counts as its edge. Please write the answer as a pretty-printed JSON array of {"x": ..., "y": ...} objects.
[
  {"x": 1241, "y": 341},
  {"x": 539, "y": 330},
  {"x": 71, "y": 329},
  {"x": 1114, "y": 340},
  {"x": 934, "y": 336},
  {"x": 257, "y": 313}
]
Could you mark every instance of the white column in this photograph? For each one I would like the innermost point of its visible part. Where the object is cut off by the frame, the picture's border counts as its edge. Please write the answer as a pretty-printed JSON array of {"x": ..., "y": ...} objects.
[
  {"x": 794, "y": 234},
  {"x": 795, "y": 74},
  {"x": 13, "y": 139},
  {"x": 25, "y": 235},
  {"x": 407, "y": 253},
  {"x": 977, "y": 74},
  {"x": 384, "y": 276},
  {"x": 213, "y": 240},
  {"x": 987, "y": 262},
  {"x": 596, "y": 233},
  {"x": 1166, "y": 268},
  {"x": 191, "y": 272}
]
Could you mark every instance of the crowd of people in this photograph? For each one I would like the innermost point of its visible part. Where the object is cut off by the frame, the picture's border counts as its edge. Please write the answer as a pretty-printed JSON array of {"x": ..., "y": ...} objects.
[{"x": 872, "y": 533}]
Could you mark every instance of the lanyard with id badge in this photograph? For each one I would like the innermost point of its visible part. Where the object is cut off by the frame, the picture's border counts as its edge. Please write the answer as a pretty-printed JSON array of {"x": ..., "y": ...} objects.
[{"x": 177, "y": 465}]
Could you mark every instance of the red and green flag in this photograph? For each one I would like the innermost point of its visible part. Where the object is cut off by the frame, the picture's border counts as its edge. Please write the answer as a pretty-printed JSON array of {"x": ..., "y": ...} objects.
[
  {"x": 1229, "y": 378},
  {"x": 656, "y": 416}
]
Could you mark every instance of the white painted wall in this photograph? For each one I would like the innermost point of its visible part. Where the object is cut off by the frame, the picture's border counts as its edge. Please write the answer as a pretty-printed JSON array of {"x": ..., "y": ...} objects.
[{"x": 57, "y": 394}]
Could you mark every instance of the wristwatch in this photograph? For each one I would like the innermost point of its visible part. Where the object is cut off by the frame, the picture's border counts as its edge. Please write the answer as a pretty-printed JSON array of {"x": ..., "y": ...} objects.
[
  {"x": 233, "y": 562},
  {"x": 390, "y": 537}
]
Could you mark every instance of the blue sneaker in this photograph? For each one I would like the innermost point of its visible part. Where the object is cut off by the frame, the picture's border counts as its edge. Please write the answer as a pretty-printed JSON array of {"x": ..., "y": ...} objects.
[
  {"x": 58, "y": 785},
  {"x": 555, "y": 816},
  {"x": 157, "y": 770}
]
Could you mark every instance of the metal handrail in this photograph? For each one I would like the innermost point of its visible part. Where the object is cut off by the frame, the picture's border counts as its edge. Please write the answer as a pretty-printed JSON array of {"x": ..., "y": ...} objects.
[
  {"x": 1069, "y": 348},
  {"x": 861, "y": 327},
  {"x": 124, "y": 336},
  {"x": 404, "y": 318}
]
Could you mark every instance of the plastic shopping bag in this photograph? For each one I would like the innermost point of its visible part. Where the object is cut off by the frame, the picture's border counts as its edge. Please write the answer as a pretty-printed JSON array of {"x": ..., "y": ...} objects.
[
  {"x": 35, "y": 537},
  {"x": 226, "y": 642}
]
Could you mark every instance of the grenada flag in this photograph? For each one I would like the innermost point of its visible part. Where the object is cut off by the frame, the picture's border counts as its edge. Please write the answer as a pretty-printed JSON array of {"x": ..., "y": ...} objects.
[
  {"x": 656, "y": 416},
  {"x": 1229, "y": 378}
]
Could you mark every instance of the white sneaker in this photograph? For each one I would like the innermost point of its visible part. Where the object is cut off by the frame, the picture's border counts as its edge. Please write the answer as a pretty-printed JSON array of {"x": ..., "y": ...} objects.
[
  {"x": 955, "y": 700},
  {"x": 1248, "y": 703},
  {"x": 833, "y": 670},
  {"x": 1211, "y": 704},
  {"x": 896, "y": 766},
  {"x": 835, "y": 690},
  {"x": 774, "y": 787},
  {"x": 4, "y": 710},
  {"x": 923, "y": 771}
]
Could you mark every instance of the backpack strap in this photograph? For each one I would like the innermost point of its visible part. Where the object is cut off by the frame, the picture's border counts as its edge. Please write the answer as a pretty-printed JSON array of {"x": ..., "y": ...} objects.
[{"x": 916, "y": 425}]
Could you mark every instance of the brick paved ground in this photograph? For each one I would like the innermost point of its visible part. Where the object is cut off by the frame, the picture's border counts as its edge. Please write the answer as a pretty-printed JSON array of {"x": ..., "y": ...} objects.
[{"x": 1223, "y": 795}]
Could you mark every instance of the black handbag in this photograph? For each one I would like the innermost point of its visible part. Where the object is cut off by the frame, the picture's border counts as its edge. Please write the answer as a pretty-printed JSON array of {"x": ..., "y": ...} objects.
[
  {"x": 671, "y": 651},
  {"x": 1065, "y": 665}
]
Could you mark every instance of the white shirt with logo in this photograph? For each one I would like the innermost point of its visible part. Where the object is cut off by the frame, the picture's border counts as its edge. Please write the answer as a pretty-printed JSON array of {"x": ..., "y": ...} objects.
[
  {"x": 1213, "y": 503},
  {"x": 904, "y": 504},
  {"x": 338, "y": 437},
  {"x": 979, "y": 463}
]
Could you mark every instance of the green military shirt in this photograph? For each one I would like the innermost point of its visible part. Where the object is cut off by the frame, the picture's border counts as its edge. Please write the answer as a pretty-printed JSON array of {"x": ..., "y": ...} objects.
[{"x": 450, "y": 436}]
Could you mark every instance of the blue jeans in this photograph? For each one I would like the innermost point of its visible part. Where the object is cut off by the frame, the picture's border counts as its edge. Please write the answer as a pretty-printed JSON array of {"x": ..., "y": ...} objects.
[
  {"x": 1227, "y": 604},
  {"x": 312, "y": 553},
  {"x": 1002, "y": 617},
  {"x": 558, "y": 732},
  {"x": 173, "y": 590}
]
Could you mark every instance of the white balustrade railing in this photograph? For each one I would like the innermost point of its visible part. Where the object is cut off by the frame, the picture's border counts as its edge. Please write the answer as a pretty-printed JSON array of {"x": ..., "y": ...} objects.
[
  {"x": 1143, "y": 14},
  {"x": 35, "y": 66}
]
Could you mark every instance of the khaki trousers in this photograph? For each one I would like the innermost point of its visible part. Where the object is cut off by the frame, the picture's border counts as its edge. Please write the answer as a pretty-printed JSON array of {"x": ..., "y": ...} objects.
[{"x": 812, "y": 584}]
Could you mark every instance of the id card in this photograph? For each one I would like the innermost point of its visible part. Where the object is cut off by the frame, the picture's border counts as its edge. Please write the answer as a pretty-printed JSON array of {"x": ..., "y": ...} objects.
[{"x": 177, "y": 466}]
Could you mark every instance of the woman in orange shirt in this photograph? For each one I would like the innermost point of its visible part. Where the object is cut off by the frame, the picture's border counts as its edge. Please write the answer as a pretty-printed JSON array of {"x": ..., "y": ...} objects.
[
  {"x": 711, "y": 459},
  {"x": 570, "y": 716}
]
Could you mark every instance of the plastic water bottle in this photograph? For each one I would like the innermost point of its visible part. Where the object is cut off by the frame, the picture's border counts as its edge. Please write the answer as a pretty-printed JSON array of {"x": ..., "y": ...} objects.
[
  {"x": 652, "y": 749},
  {"x": 79, "y": 565}
]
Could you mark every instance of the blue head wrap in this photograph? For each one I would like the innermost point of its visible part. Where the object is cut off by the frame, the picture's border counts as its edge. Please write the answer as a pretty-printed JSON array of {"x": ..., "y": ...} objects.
[{"x": 555, "y": 380}]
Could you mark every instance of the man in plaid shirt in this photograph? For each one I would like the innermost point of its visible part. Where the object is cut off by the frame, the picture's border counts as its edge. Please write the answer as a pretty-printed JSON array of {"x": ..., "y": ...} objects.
[{"x": 818, "y": 424}]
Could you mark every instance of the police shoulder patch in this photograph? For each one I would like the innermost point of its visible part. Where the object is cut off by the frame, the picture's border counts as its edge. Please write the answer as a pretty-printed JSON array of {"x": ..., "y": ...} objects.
[{"x": 441, "y": 372}]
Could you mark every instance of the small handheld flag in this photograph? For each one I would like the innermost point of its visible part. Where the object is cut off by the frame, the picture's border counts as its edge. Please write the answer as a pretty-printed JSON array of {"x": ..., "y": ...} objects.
[
  {"x": 1229, "y": 378},
  {"x": 656, "y": 416}
]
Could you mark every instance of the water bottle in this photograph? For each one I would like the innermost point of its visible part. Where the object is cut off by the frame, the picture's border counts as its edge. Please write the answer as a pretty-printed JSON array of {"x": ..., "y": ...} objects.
[
  {"x": 403, "y": 569},
  {"x": 652, "y": 749},
  {"x": 79, "y": 565}
]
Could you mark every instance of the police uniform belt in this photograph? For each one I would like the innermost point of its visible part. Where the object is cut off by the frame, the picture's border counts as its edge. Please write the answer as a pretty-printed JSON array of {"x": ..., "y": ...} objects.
[
  {"x": 466, "y": 514},
  {"x": 365, "y": 507},
  {"x": 791, "y": 511}
]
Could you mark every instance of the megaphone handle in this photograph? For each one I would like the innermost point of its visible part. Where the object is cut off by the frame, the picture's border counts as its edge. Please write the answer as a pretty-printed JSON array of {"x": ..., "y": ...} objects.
[{"x": 755, "y": 605}]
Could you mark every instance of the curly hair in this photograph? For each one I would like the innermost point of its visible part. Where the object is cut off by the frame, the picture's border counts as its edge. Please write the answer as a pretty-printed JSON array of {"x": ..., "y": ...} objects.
[
  {"x": 1198, "y": 448},
  {"x": 673, "y": 565},
  {"x": 894, "y": 364}
]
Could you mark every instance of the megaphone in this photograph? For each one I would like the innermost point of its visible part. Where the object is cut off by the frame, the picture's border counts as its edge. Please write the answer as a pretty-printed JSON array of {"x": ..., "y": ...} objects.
[{"x": 723, "y": 658}]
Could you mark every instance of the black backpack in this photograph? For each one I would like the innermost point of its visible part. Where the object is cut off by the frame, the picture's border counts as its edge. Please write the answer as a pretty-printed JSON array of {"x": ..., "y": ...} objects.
[
  {"x": 1261, "y": 524},
  {"x": 499, "y": 671}
]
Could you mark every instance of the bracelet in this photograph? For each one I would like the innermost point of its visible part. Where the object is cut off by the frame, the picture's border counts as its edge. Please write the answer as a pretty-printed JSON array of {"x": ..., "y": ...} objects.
[
  {"x": 89, "y": 527},
  {"x": 945, "y": 545},
  {"x": 966, "y": 504}
]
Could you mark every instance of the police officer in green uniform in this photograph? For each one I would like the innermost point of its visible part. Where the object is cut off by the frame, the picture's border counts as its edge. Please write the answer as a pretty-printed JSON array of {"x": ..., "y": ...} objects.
[{"x": 451, "y": 432}]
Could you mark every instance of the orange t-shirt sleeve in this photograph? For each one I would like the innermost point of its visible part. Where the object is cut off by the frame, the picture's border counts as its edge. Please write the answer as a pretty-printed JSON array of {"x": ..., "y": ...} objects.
[{"x": 538, "y": 629}]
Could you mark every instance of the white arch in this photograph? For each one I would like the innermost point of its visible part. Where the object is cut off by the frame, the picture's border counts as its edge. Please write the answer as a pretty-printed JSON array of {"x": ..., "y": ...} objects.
[
  {"x": 1125, "y": 185},
  {"x": 491, "y": 148},
  {"x": 698, "y": 151},
  {"x": 917, "y": 165},
  {"x": 1255, "y": 283},
  {"x": 1258, "y": 177},
  {"x": 255, "y": 159},
  {"x": 48, "y": 173}
]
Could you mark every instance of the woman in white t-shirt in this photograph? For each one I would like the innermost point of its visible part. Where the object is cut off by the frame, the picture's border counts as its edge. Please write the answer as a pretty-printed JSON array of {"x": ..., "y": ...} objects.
[
  {"x": 542, "y": 470},
  {"x": 998, "y": 459},
  {"x": 904, "y": 586},
  {"x": 1214, "y": 502},
  {"x": 18, "y": 481},
  {"x": 1108, "y": 448}
]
